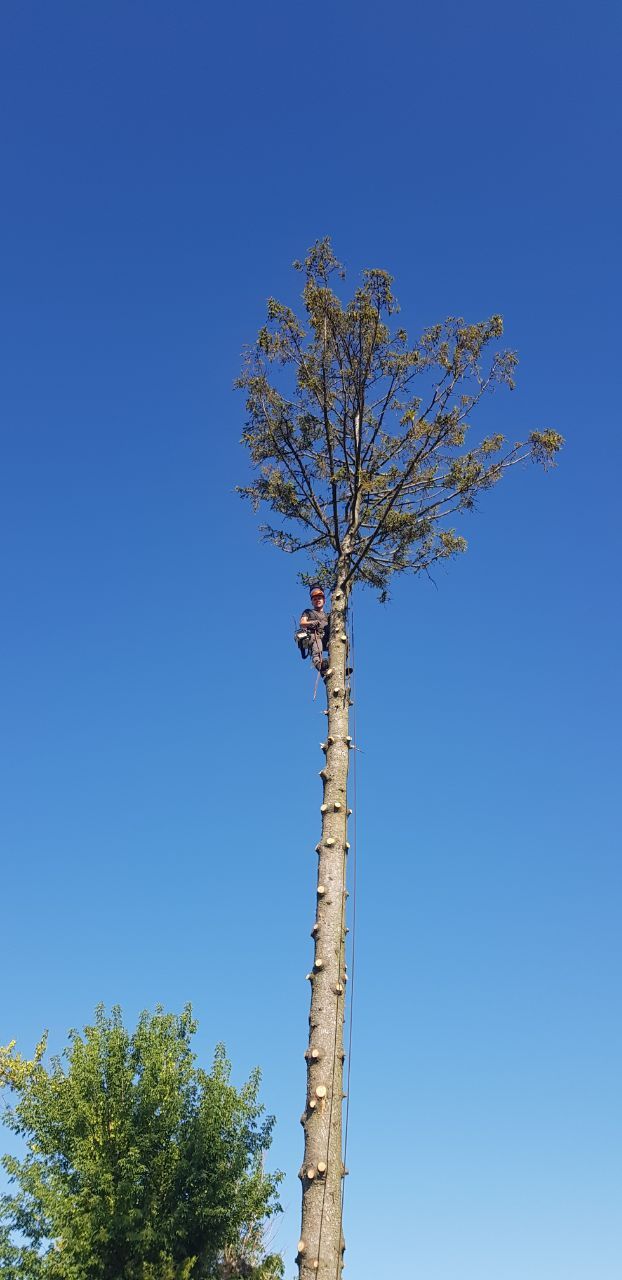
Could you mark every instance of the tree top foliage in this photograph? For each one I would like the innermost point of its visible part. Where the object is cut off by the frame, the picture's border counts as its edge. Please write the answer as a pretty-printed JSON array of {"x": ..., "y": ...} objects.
[
  {"x": 139, "y": 1164},
  {"x": 361, "y": 440}
]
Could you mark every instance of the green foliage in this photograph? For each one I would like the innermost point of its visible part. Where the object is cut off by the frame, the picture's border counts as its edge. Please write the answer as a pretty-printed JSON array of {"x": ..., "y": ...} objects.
[
  {"x": 139, "y": 1165},
  {"x": 358, "y": 437}
]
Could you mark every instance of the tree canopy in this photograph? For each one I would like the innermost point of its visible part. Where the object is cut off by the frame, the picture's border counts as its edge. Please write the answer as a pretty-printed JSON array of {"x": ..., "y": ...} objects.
[
  {"x": 362, "y": 440},
  {"x": 139, "y": 1164}
]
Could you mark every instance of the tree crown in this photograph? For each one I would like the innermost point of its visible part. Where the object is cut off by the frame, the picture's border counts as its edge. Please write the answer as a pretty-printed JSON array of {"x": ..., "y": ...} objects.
[
  {"x": 139, "y": 1163},
  {"x": 361, "y": 440}
]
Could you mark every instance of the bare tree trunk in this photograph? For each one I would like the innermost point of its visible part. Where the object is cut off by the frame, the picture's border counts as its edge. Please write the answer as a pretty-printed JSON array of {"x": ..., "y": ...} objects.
[{"x": 320, "y": 1249}]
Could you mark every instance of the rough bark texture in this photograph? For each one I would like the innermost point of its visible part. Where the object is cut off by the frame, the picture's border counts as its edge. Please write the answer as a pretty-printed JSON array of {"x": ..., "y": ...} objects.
[{"x": 320, "y": 1251}]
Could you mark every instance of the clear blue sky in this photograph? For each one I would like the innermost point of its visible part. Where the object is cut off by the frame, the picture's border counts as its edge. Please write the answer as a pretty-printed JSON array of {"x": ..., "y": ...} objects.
[{"x": 161, "y": 166}]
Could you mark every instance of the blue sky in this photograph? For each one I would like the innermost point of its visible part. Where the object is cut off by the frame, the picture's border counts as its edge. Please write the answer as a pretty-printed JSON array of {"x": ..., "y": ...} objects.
[{"x": 162, "y": 165}]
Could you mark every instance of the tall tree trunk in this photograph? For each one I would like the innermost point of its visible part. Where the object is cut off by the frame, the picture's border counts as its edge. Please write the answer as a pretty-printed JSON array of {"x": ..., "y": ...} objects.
[{"x": 320, "y": 1250}]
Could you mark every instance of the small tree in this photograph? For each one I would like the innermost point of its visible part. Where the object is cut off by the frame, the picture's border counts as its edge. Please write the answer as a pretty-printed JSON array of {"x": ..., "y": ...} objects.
[
  {"x": 139, "y": 1165},
  {"x": 364, "y": 452}
]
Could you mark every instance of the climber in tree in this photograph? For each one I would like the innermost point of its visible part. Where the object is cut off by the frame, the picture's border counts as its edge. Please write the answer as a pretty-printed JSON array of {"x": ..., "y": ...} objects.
[{"x": 312, "y": 635}]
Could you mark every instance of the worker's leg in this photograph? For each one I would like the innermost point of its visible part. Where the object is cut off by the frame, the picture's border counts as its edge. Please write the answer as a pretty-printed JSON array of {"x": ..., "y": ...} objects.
[
  {"x": 317, "y": 656},
  {"x": 316, "y": 652}
]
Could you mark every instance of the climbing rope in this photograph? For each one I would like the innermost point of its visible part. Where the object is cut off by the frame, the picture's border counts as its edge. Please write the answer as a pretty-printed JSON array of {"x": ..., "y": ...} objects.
[
  {"x": 353, "y": 942},
  {"x": 353, "y": 918}
]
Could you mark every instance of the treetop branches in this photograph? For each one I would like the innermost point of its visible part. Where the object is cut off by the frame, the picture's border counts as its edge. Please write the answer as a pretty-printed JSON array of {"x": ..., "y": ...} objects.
[{"x": 361, "y": 440}]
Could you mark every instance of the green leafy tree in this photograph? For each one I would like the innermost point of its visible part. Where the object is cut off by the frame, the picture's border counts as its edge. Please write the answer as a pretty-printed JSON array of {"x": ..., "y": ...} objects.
[
  {"x": 139, "y": 1164},
  {"x": 365, "y": 456}
]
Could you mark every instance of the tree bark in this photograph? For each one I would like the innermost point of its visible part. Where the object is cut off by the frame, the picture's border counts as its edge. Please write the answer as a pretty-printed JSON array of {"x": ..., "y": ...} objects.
[{"x": 321, "y": 1245}]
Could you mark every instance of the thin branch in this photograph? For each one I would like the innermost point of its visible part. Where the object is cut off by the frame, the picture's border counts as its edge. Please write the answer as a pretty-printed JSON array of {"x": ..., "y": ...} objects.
[
  {"x": 329, "y": 446},
  {"x": 305, "y": 481}
]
